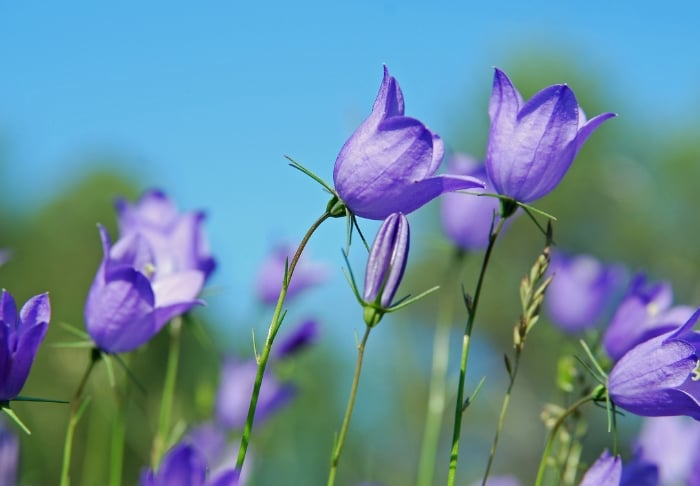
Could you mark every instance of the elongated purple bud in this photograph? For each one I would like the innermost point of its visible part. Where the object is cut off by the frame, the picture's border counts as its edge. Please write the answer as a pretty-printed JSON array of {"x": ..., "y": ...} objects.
[{"x": 387, "y": 260}]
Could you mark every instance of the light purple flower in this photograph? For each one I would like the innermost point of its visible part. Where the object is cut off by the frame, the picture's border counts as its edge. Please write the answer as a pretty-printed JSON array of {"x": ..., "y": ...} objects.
[
  {"x": 307, "y": 273},
  {"x": 606, "y": 471},
  {"x": 20, "y": 337},
  {"x": 9, "y": 456},
  {"x": 582, "y": 289},
  {"x": 673, "y": 444},
  {"x": 127, "y": 305},
  {"x": 644, "y": 312},
  {"x": 467, "y": 219},
  {"x": 532, "y": 144},
  {"x": 388, "y": 164},
  {"x": 659, "y": 377},
  {"x": 177, "y": 240},
  {"x": 387, "y": 261},
  {"x": 184, "y": 465}
]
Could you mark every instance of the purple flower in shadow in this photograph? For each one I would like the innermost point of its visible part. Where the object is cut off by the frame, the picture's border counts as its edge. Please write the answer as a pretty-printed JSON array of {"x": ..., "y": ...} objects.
[
  {"x": 9, "y": 456},
  {"x": 644, "y": 312},
  {"x": 127, "y": 305},
  {"x": 659, "y": 377},
  {"x": 581, "y": 291},
  {"x": 185, "y": 465},
  {"x": 673, "y": 444},
  {"x": 307, "y": 273},
  {"x": 532, "y": 144},
  {"x": 388, "y": 165},
  {"x": 20, "y": 337}
]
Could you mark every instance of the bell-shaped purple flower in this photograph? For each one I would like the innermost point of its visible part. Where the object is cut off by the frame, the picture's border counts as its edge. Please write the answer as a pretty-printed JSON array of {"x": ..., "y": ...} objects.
[
  {"x": 20, "y": 337},
  {"x": 467, "y": 219},
  {"x": 184, "y": 465},
  {"x": 606, "y": 471},
  {"x": 387, "y": 261},
  {"x": 127, "y": 305},
  {"x": 388, "y": 165},
  {"x": 177, "y": 240},
  {"x": 659, "y": 377},
  {"x": 673, "y": 444},
  {"x": 9, "y": 456},
  {"x": 644, "y": 312},
  {"x": 532, "y": 144},
  {"x": 581, "y": 291},
  {"x": 307, "y": 273}
]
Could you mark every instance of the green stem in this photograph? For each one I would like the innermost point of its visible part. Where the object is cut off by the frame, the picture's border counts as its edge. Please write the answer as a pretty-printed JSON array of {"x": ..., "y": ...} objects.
[
  {"x": 466, "y": 342},
  {"x": 438, "y": 377},
  {"x": 553, "y": 435},
  {"x": 348, "y": 411},
  {"x": 166, "y": 403},
  {"x": 275, "y": 324},
  {"x": 502, "y": 416},
  {"x": 76, "y": 409}
]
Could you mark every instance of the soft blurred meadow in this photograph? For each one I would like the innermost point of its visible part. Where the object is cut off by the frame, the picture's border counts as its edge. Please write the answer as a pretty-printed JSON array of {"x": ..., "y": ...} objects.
[{"x": 203, "y": 101}]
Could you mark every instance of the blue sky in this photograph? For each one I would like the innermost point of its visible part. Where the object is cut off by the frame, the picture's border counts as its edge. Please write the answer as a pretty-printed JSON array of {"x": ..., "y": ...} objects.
[{"x": 203, "y": 100}]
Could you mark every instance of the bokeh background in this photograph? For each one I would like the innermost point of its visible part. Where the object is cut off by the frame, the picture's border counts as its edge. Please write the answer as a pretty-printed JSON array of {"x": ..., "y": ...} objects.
[{"x": 203, "y": 101}]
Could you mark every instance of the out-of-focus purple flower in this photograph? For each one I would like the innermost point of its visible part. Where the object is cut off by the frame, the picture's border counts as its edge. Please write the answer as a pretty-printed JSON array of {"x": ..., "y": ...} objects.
[
  {"x": 659, "y": 377},
  {"x": 306, "y": 274},
  {"x": 532, "y": 144},
  {"x": 644, "y": 312},
  {"x": 20, "y": 337},
  {"x": 4, "y": 256},
  {"x": 127, "y": 305},
  {"x": 582, "y": 289},
  {"x": 302, "y": 336},
  {"x": 606, "y": 471},
  {"x": 9, "y": 456},
  {"x": 639, "y": 472},
  {"x": 387, "y": 261},
  {"x": 220, "y": 455},
  {"x": 388, "y": 164},
  {"x": 177, "y": 240},
  {"x": 673, "y": 444},
  {"x": 467, "y": 219},
  {"x": 504, "y": 480},
  {"x": 184, "y": 465}
]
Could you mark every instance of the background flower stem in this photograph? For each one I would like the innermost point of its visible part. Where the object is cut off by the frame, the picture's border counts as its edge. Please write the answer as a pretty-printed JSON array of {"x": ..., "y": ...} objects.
[
  {"x": 166, "y": 403},
  {"x": 338, "y": 448},
  {"x": 275, "y": 324},
  {"x": 438, "y": 377},
  {"x": 466, "y": 342}
]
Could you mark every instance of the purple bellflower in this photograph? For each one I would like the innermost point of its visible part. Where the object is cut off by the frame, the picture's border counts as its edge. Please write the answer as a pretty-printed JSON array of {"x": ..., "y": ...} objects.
[
  {"x": 184, "y": 465},
  {"x": 644, "y": 312},
  {"x": 388, "y": 165},
  {"x": 20, "y": 337},
  {"x": 581, "y": 291},
  {"x": 606, "y": 471},
  {"x": 9, "y": 456},
  {"x": 532, "y": 144},
  {"x": 127, "y": 305},
  {"x": 467, "y": 219},
  {"x": 659, "y": 377},
  {"x": 269, "y": 282},
  {"x": 177, "y": 240},
  {"x": 673, "y": 443}
]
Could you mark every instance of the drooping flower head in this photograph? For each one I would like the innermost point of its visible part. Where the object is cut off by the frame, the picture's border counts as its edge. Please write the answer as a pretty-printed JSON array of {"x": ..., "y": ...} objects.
[
  {"x": 127, "y": 305},
  {"x": 582, "y": 289},
  {"x": 467, "y": 219},
  {"x": 388, "y": 165},
  {"x": 307, "y": 273},
  {"x": 659, "y": 377},
  {"x": 532, "y": 144},
  {"x": 185, "y": 465},
  {"x": 177, "y": 240},
  {"x": 644, "y": 312},
  {"x": 20, "y": 337}
]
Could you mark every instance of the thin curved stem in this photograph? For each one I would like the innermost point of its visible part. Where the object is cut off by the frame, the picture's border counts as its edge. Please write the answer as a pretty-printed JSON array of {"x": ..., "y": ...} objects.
[
  {"x": 338, "y": 449},
  {"x": 275, "y": 324},
  {"x": 438, "y": 376},
  {"x": 466, "y": 343}
]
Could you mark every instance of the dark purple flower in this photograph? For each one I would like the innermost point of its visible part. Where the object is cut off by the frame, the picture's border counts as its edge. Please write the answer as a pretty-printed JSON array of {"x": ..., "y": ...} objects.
[
  {"x": 388, "y": 164},
  {"x": 177, "y": 240},
  {"x": 9, "y": 456},
  {"x": 127, "y": 305},
  {"x": 673, "y": 444},
  {"x": 387, "y": 261},
  {"x": 184, "y": 465},
  {"x": 644, "y": 312},
  {"x": 467, "y": 219},
  {"x": 20, "y": 337},
  {"x": 606, "y": 471},
  {"x": 306, "y": 274},
  {"x": 532, "y": 144},
  {"x": 640, "y": 472},
  {"x": 301, "y": 336},
  {"x": 582, "y": 289},
  {"x": 659, "y": 377}
]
